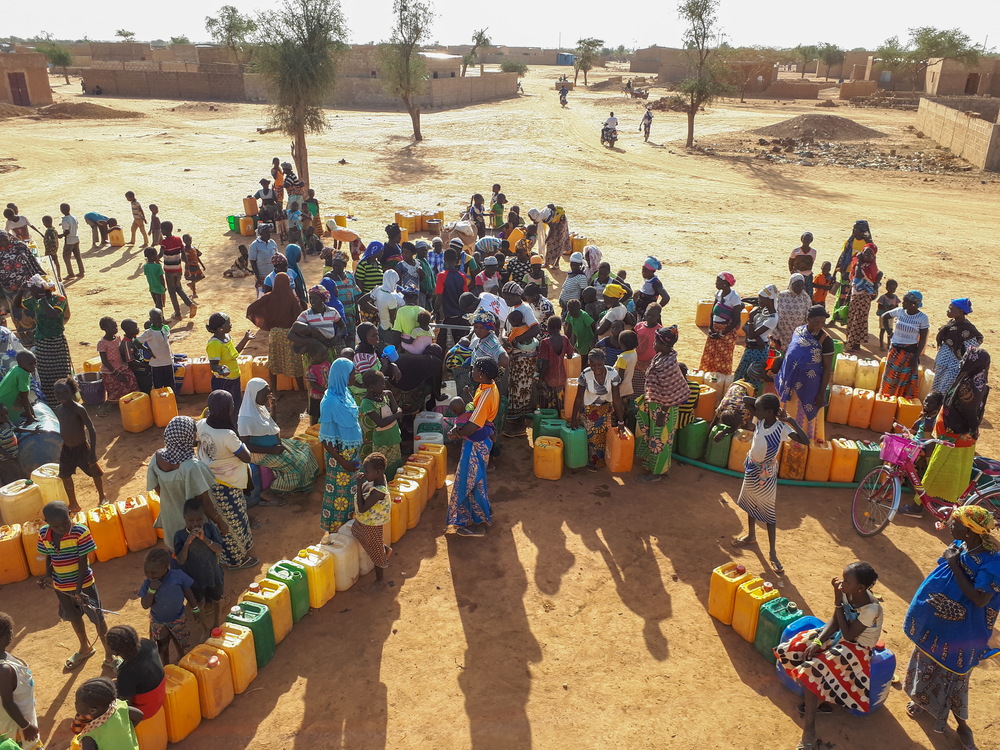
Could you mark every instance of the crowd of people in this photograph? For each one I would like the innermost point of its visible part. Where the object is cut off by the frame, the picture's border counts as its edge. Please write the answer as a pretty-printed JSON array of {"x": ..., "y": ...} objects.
[{"x": 391, "y": 328}]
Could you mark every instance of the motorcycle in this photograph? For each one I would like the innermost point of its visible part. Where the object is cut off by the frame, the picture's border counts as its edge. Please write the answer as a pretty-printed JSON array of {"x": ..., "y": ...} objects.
[
  {"x": 562, "y": 99},
  {"x": 609, "y": 136}
]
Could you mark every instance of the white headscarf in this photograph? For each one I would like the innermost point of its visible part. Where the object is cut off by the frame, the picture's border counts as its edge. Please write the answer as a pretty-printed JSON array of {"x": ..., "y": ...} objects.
[
  {"x": 535, "y": 215},
  {"x": 389, "y": 281},
  {"x": 796, "y": 277},
  {"x": 255, "y": 420}
]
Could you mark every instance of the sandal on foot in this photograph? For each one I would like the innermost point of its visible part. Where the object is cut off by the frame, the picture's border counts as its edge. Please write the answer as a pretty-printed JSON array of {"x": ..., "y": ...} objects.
[
  {"x": 464, "y": 531},
  {"x": 913, "y": 511},
  {"x": 806, "y": 746},
  {"x": 823, "y": 708},
  {"x": 77, "y": 659},
  {"x": 742, "y": 542},
  {"x": 277, "y": 503},
  {"x": 913, "y": 710},
  {"x": 649, "y": 478},
  {"x": 114, "y": 664},
  {"x": 776, "y": 565},
  {"x": 248, "y": 563}
]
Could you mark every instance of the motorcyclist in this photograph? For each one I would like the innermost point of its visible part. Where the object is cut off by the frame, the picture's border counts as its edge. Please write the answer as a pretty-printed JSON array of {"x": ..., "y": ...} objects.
[
  {"x": 612, "y": 122},
  {"x": 563, "y": 93}
]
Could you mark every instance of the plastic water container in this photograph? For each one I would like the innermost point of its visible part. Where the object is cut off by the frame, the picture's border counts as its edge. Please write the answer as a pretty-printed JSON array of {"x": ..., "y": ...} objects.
[
  {"x": 81, "y": 518},
  {"x": 551, "y": 428},
  {"x": 137, "y": 523},
  {"x": 256, "y": 617},
  {"x": 250, "y": 206},
  {"x": 819, "y": 462},
  {"x": 344, "y": 551},
  {"x": 182, "y": 705},
  {"x": 883, "y": 413},
  {"x": 109, "y": 535},
  {"x": 21, "y": 501},
  {"x": 246, "y": 226},
  {"x": 419, "y": 475},
  {"x": 428, "y": 421},
  {"x": 705, "y": 408},
  {"x": 839, "y": 409},
  {"x": 536, "y": 419},
  {"x": 846, "y": 370},
  {"x": 798, "y": 626},
  {"x": 237, "y": 643},
  {"x": 775, "y": 616},
  {"x": 137, "y": 411},
  {"x": 691, "y": 440},
  {"x": 573, "y": 365},
  {"x": 440, "y": 454},
  {"x": 866, "y": 376},
  {"x": 13, "y": 562},
  {"x": 908, "y": 410},
  {"x": 153, "y": 501},
  {"x": 621, "y": 450},
  {"x": 739, "y": 447},
  {"x": 151, "y": 732},
  {"x": 427, "y": 438},
  {"x": 883, "y": 668},
  {"x": 92, "y": 365},
  {"x": 365, "y": 564},
  {"x": 750, "y": 596},
  {"x": 845, "y": 460},
  {"x": 258, "y": 368},
  {"x": 926, "y": 384},
  {"x": 722, "y": 590},
  {"x": 202, "y": 370},
  {"x": 574, "y": 444},
  {"x": 245, "y": 362},
  {"x": 210, "y": 667},
  {"x": 314, "y": 445},
  {"x": 744, "y": 319},
  {"x": 868, "y": 458},
  {"x": 696, "y": 376},
  {"x": 570, "y": 398},
  {"x": 320, "y": 574},
  {"x": 716, "y": 380},
  {"x": 275, "y": 596},
  {"x": 792, "y": 464},
  {"x": 29, "y": 540},
  {"x": 717, "y": 453},
  {"x": 548, "y": 458},
  {"x": 862, "y": 405},
  {"x": 164, "y": 406},
  {"x": 414, "y": 498},
  {"x": 293, "y": 576},
  {"x": 429, "y": 464},
  {"x": 703, "y": 313},
  {"x": 397, "y": 517},
  {"x": 116, "y": 237},
  {"x": 47, "y": 478}
]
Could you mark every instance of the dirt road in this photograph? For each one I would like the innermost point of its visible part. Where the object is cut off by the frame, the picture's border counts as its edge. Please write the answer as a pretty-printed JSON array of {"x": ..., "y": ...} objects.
[{"x": 581, "y": 619}]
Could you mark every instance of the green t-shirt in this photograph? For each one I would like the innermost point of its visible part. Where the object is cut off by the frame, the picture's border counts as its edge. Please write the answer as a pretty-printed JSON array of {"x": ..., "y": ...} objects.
[
  {"x": 406, "y": 318},
  {"x": 46, "y": 327},
  {"x": 14, "y": 383},
  {"x": 581, "y": 326},
  {"x": 388, "y": 436},
  {"x": 154, "y": 277}
]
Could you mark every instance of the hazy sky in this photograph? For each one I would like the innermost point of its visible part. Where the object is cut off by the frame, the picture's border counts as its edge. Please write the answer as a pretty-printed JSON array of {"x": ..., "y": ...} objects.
[{"x": 540, "y": 23}]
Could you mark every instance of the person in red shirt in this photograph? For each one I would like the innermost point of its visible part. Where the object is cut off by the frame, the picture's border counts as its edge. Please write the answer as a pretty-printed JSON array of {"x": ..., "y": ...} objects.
[{"x": 172, "y": 255}]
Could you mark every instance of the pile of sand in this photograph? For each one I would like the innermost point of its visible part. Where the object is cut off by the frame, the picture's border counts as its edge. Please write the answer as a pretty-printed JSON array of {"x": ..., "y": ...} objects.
[
  {"x": 84, "y": 111},
  {"x": 12, "y": 110},
  {"x": 820, "y": 127}
]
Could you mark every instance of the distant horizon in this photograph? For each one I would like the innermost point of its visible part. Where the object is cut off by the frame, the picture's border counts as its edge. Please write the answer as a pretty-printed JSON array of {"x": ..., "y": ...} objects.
[{"x": 541, "y": 24}]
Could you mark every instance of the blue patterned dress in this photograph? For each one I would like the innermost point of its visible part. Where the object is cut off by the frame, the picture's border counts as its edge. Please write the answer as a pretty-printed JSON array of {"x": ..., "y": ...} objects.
[{"x": 760, "y": 481}]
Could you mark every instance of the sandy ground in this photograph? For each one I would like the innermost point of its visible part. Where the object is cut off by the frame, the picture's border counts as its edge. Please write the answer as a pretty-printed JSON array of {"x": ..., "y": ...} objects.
[{"x": 581, "y": 619}]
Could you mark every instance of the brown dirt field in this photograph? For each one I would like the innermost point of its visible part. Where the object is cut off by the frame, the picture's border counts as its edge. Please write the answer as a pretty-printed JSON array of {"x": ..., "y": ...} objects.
[{"x": 581, "y": 619}]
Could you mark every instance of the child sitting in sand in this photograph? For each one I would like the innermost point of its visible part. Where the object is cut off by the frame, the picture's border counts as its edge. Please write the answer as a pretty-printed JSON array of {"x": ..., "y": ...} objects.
[{"x": 241, "y": 266}]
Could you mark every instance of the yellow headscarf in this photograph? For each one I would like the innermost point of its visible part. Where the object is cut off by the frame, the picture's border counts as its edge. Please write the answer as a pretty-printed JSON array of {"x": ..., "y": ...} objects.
[
  {"x": 979, "y": 521},
  {"x": 614, "y": 291}
]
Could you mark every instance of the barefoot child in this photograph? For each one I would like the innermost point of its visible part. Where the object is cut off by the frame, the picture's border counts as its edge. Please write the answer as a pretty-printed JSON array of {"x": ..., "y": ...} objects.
[
  {"x": 760, "y": 483},
  {"x": 136, "y": 355},
  {"x": 597, "y": 397},
  {"x": 553, "y": 352},
  {"x": 65, "y": 546},
  {"x": 154, "y": 276},
  {"x": 197, "y": 548},
  {"x": 18, "y": 721},
  {"x": 371, "y": 511},
  {"x": 156, "y": 338},
  {"x": 163, "y": 594},
  {"x": 102, "y": 720},
  {"x": 193, "y": 267},
  {"x": 240, "y": 266},
  {"x": 380, "y": 419},
  {"x": 155, "y": 231},
  {"x": 50, "y": 241},
  {"x": 888, "y": 301},
  {"x": 74, "y": 426},
  {"x": 118, "y": 377}
]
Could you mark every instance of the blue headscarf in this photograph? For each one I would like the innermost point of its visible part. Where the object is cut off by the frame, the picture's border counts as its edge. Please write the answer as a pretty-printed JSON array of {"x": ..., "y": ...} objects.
[
  {"x": 292, "y": 254},
  {"x": 338, "y": 412},
  {"x": 373, "y": 249}
]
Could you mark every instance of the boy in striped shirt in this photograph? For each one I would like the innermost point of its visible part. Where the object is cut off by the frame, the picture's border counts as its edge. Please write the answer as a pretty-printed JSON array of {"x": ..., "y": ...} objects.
[{"x": 65, "y": 546}]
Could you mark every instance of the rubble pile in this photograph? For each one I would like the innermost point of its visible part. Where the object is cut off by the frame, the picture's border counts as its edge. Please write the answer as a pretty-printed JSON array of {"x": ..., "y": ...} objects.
[
  {"x": 888, "y": 100},
  {"x": 809, "y": 153}
]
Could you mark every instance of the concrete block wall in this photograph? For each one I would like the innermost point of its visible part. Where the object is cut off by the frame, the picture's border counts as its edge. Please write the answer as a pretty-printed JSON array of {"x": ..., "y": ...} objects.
[
  {"x": 785, "y": 89},
  {"x": 849, "y": 89},
  {"x": 120, "y": 51},
  {"x": 974, "y": 139}
]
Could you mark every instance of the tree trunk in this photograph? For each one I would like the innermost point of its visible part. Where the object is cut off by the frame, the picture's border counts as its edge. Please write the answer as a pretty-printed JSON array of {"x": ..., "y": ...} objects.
[
  {"x": 585, "y": 79},
  {"x": 301, "y": 155},
  {"x": 482, "y": 71},
  {"x": 576, "y": 76},
  {"x": 803, "y": 68},
  {"x": 414, "y": 110},
  {"x": 692, "y": 110},
  {"x": 66, "y": 75},
  {"x": 465, "y": 67}
]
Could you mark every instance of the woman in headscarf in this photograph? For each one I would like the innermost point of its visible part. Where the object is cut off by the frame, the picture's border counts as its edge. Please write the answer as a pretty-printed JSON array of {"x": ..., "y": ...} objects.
[
  {"x": 294, "y": 187},
  {"x": 385, "y": 300},
  {"x": 280, "y": 263},
  {"x": 346, "y": 290},
  {"x": 592, "y": 257},
  {"x": 392, "y": 253},
  {"x": 177, "y": 476},
  {"x": 555, "y": 243},
  {"x": 276, "y": 312},
  {"x": 805, "y": 373},
  {"x": 865, "y": 276},
  {"x": 759, "y": 326},
  {"x": 50, "y": 310},
  {"x": 293, "y": 254},
  {"x": 950, "y": 466},
  {"x": 954, "y": 339},
  {"x": 469, "y": 502},
  {"x": 523, "y": 353},
  {"x": 861, "y": 235},
  {"x": 909, "y": 336},
  {"x": 718, "y": 353},
  {"x": 220, "y": 448},
  {"x": 666, "y": 389},
  {"x": 791, "y": 307},
  {"x": 291, "y": 461},
  {"x": 223, "y": 353},
  {"x": 951, "y": 620},
  {"x": 340, "y": 433},
  {"x": 651, "y": 290},
  {"x": 368, "y": 275}
]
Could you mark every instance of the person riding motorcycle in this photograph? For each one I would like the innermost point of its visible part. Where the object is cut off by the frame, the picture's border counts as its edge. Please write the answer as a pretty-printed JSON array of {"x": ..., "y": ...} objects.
[
  {"x": 611, "y": 122},
  {"x": 609, "y": 131},
  {"x": 563, "y": 93}
]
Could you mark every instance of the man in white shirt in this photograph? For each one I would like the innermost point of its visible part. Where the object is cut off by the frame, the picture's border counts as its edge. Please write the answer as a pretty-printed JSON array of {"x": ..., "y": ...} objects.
[
  {"x": 261, "y": 250},
  {"x": 611, "y": 122},
  {"x": 71, "y": 240}
]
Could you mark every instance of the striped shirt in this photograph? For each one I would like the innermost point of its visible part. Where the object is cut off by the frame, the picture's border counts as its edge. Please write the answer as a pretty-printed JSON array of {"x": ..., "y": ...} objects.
[
  {"x": 137, "y": 214},
  {"x": 65, "y": 559},
  {"x": 368, "y": 275}
]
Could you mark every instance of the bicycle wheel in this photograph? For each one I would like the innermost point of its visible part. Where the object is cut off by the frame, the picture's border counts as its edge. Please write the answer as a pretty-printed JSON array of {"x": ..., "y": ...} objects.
[
  {"x": 874, "y": 501},
  {"x": 990, "y": 501}
]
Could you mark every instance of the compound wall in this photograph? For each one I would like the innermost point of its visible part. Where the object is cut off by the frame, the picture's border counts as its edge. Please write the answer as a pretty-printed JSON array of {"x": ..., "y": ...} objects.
[{"x": 974, "y": 139}]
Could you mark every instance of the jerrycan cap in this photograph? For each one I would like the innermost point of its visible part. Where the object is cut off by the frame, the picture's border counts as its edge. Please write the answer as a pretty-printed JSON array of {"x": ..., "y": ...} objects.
[
  {"x": 303, "y": 553},
  {"x": 768, "y": 586},
  {"x": 741, "y": 569},
  {"x": 254, "y": 587},
  {"x": 236, "y": 610},
  {"x": 793, "y": 607},
  {"x": 213, "y": 661},
  {"x": 216, "y": 632}
]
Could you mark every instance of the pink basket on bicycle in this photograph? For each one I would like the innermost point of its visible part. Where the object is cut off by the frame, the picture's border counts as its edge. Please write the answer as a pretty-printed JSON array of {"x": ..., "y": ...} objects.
[{"x": 899, "y": 449}]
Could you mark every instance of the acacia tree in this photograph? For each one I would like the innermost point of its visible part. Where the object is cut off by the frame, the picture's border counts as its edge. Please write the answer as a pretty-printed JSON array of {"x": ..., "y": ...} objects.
[
  {"x": 806, "y": 53},
  {"x": 182, "y": 39},
  {"x": 479, "y": 41},
  {"x": 125, "y": 35},
  {"x": 830, "y": 55},
  {"x": 741, "y": 66},
  {"x": 586, "y": 56},
  {"x": 404, "y": 69},
  {"x": 298, "y": 58},
  {"x": 58, "y": 55},
  {"x": 707, "y": 81},
  {"x": 927, "y": 43},
  {"x": 232, "y": 30}
]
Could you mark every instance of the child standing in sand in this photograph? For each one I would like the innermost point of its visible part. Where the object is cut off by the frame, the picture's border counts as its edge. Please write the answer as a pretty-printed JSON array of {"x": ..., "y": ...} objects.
[
  {"x": 193, "y": 267},
  {"x": 154, "y": 277},
  {"x": 74, "y": 426},
  {"x": 372, "y": 508},
  {"x": 197, "y": 548},
  {"x": 50, "y": 241},
  {"x": 163, "y": 594},
  {"x": 138, "y": 219},
  {"x": 136, "y": 355},
  {"x": 154, "y": 225}
]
